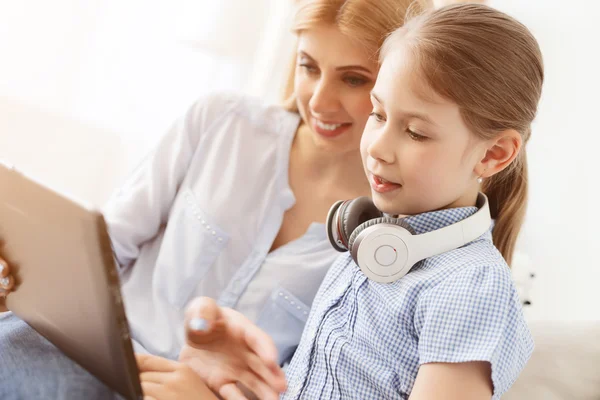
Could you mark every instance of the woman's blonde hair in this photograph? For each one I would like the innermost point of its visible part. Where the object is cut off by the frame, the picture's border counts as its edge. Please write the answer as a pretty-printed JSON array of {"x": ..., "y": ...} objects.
[
  {"x": 369, "y": 22},
  {"x": 491, "y": 66}
]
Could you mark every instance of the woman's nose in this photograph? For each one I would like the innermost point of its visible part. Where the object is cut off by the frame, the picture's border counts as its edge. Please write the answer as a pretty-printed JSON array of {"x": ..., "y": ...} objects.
[{"x": 325, "y": 99}]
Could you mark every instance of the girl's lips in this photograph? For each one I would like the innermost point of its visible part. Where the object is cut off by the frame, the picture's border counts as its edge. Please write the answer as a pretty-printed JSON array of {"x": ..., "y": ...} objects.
[{"x": 381, "y": 185}]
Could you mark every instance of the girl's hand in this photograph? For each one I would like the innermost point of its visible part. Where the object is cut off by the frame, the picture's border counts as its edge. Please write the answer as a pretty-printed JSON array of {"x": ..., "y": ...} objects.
[
  {"x": 6, "y": 283},
  {"x": 225, "y": 348},
  {"x": 164, "y": 379}
]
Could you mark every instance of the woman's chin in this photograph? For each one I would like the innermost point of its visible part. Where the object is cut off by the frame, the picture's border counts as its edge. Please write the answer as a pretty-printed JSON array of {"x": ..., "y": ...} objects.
[{"x": 342, "y": 144}]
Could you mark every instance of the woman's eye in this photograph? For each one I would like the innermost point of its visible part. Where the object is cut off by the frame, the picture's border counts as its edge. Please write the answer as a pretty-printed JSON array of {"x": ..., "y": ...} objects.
[
  {"x": 355, "y": 81},
  {"x": 378, "y": 117},
  {"x": 415, "y": 136},
  {"x": 309, "y": 68}
]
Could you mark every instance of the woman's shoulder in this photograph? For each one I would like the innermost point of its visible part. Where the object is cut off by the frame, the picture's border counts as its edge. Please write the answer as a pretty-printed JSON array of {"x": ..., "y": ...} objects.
[{"x": 250, "y": 110}]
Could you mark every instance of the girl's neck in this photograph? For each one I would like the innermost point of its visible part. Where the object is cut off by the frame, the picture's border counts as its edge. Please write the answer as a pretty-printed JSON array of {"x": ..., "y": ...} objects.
[{"x": 468, "y": 199}]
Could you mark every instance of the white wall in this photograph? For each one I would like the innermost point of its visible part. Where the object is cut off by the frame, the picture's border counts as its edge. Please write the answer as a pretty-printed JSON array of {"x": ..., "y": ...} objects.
[
  {"x": 561, "y": 232},
  {"x": 42, "y": 46},
  {"x": 71, "y": 156},
  {"x": 87, "y": 86},
  {"x": 123, "y": 68}
]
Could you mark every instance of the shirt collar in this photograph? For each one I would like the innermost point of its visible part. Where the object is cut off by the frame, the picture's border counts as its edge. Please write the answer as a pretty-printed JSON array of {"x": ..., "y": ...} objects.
[{"x": 430, "y": 221}]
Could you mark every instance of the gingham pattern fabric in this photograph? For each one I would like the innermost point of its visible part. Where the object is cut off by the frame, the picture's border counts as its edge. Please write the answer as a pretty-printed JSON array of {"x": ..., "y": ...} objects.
[{"x": 367, "y": 340}]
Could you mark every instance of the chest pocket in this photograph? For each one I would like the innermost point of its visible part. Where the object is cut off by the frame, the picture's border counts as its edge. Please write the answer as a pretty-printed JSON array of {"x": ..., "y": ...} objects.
[
  {"x": 283, "y": 318},
  {"x": 190, "y": 246}
]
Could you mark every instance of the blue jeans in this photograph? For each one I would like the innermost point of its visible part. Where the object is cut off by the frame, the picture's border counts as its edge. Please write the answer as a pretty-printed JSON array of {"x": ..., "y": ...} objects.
[{"x": 32, "y": 368}]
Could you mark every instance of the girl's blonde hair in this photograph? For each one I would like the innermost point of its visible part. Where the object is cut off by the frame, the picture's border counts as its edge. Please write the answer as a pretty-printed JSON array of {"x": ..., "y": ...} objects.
[
  {"x": 369, "y": 22},
  {"x": 490, "y": 65}
]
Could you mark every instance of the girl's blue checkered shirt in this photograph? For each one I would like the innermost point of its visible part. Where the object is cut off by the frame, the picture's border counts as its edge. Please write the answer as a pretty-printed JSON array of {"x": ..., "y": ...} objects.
[{"x": 367, "y": 340}]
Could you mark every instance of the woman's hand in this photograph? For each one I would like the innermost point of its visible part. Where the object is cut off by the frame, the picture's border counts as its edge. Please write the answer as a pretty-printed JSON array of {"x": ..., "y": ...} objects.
[
  {"x": 164, "y": 379},
  {"x": 225, "y": 348},
  {"x": 6, "y": 283}
]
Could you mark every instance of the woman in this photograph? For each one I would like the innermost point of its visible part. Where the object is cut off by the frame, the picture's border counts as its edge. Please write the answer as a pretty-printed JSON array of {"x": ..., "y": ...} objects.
[{"x": 233, "y": 201}]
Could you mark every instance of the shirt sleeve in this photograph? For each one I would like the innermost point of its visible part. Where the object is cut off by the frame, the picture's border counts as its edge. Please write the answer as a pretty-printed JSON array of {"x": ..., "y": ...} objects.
[
  {"x": 475, "y": 315},
  {"x": 136, "y": 211}
]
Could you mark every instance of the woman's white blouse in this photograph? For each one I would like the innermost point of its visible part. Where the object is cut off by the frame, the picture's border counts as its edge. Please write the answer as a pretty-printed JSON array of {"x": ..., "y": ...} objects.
[{"x": 198, "y": 217}]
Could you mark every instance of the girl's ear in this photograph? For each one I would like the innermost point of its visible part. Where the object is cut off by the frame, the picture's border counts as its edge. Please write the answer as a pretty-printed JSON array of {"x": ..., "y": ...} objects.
[{"x": 501, "y": 151}]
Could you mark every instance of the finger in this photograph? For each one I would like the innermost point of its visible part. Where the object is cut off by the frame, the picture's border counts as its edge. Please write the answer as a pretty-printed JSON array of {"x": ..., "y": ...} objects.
[
  {"x": 154, "y": 377},
  {"x": 272, "y": 376},
  {"x": 203, "y": 307},
  {"x": 153, "y": 390},
  {"x": 203, "y": 320},
  {"x": 261, "y": 344},
  {"x": 4, "y": 269},
  {"x": 265, "y": 364},
  {"x": 150, "y": 363},
  {"x": 230, "y": 391},
  {"x": 258, "y": 387},
  {"x": 7, "y": 283},
  {"x": 149, "y": 398},
  {"x": 255, "y": 338}
]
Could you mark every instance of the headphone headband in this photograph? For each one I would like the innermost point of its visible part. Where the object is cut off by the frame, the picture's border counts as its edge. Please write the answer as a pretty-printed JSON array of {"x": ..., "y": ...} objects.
[
  {"x": 453, "y": 236},
  {"x": 387, "y": 248}
]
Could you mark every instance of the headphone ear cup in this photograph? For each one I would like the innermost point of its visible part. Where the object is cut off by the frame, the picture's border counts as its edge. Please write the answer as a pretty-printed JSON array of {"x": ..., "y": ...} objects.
[
  {"x": 380, "y": 220},
  {"x": 332, "y": 227},
  {"x": 353, "y": 214}
]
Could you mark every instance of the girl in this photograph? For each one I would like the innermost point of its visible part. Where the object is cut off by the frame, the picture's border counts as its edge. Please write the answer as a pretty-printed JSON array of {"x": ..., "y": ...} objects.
[
  {"x": 452, "y": 108},
  {"x": 232, "y": 202}
]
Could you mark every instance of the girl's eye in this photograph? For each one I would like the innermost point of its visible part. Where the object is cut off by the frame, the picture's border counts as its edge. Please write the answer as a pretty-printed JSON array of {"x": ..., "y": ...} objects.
[
  {"x": 378, "y": 117},
  {"x": 415, "y": 136},
  {"x": 355, "y": 81}
]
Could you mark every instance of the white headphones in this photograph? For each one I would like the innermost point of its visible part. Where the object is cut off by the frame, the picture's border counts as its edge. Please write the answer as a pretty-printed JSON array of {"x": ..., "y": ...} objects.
[{"x": 386, "y": 248}]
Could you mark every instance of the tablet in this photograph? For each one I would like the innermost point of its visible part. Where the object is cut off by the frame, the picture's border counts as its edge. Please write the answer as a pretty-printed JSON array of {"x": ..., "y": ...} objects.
[{"x": 66, "y": 281}]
